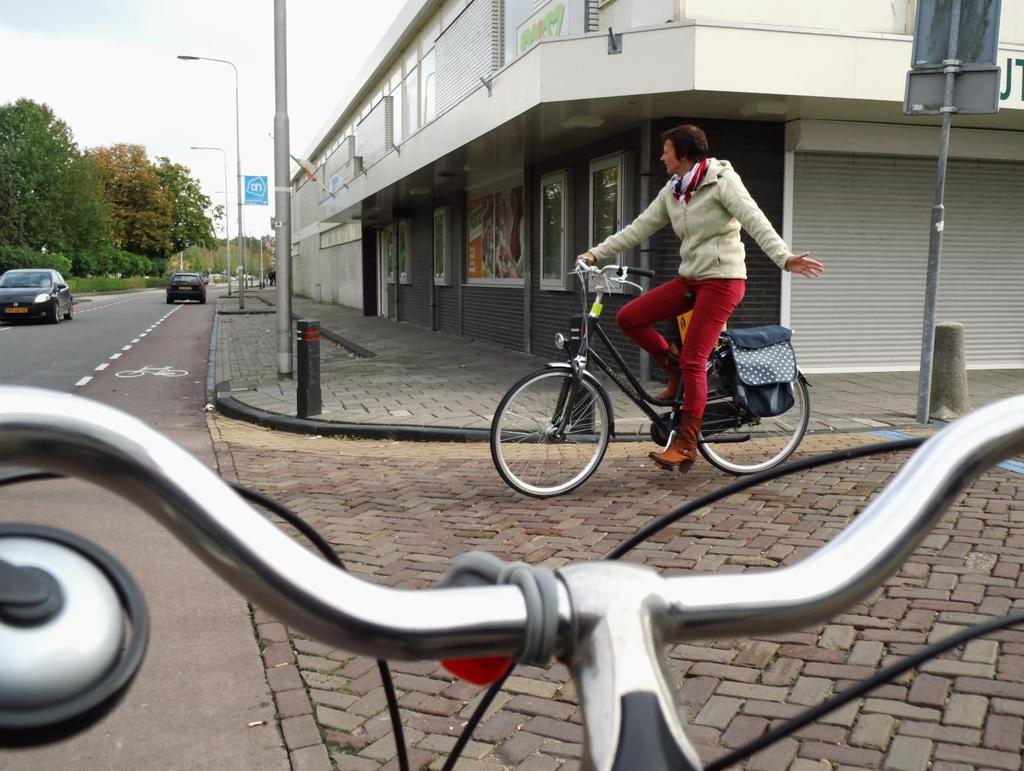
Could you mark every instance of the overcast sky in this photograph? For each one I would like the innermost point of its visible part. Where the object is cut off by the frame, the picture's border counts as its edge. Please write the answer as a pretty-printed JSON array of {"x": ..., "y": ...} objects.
[{"x": 108, "y": 69}]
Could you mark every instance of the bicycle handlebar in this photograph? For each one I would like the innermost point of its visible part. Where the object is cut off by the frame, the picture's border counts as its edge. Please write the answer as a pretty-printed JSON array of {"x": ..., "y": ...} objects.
[
  {"x": 608, "y": 612},
  {"x": 72, "y": 436}
]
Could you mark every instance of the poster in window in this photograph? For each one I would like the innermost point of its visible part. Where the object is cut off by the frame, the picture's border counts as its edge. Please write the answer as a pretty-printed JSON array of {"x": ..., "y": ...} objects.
[
  {"x": 475, "y": 245},
  {"x": 508, "y": 262},
  {"x": 488, "y": 236}
]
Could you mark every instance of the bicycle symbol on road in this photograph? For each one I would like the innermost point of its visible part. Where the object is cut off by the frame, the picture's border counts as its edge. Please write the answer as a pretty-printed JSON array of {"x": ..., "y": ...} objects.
[{"x": 148, "y": 370}]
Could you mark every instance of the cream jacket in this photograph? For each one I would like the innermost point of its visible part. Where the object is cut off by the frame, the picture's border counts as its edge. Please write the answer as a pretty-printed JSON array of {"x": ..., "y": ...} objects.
[{"x": 709, "y": 227}]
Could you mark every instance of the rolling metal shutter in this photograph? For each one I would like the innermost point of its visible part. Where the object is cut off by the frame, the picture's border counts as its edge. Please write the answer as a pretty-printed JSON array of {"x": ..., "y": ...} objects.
[{"x": 867, "y": 218}]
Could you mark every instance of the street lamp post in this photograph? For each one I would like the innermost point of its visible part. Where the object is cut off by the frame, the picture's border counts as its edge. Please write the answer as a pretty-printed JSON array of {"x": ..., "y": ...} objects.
[
  {"x": 227, "y": 220},
  {"x": 238, "y": 159}
]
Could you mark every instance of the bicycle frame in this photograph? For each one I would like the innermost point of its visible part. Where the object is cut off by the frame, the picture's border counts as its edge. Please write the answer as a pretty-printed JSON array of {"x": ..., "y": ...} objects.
[{"x": 631, "y": 386}]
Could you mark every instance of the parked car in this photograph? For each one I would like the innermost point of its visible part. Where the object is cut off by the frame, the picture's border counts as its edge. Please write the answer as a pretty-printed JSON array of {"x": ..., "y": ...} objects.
[
  {"x": 35, "y": 293},
  {"x": 186, "y": 286}
]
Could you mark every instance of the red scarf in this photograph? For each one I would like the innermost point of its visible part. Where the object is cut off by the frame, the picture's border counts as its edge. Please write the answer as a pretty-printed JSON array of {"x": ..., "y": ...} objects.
[{"x": 696, "y": 178}]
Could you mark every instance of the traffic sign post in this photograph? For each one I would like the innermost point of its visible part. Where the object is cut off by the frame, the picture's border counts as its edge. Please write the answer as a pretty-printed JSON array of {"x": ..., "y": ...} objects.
[{"x": 952, "y": 70}]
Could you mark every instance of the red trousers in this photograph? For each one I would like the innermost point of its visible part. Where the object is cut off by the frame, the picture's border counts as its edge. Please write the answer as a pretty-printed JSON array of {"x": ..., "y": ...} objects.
[{"x": 713, "y": 301}]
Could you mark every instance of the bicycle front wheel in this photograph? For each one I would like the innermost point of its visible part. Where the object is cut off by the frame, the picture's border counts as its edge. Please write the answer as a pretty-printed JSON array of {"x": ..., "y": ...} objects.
[
  {"x": 761, "y": 443},
  {"x": 550, "y": 432}
]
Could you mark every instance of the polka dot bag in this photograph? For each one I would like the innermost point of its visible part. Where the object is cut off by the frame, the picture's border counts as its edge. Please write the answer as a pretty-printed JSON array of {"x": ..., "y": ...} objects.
[{"x": 764, "y": 369}]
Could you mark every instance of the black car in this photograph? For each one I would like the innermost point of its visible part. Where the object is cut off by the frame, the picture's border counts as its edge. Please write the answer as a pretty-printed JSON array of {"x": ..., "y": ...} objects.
[
  {"x": 35, "y": 293},
  {"x": 186, "y": 286}
]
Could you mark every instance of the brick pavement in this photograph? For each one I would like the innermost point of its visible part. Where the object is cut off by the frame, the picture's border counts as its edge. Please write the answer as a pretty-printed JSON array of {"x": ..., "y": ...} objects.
[
  {"x": 398, "y": 513},
  {"x": 424, "y": 378}
]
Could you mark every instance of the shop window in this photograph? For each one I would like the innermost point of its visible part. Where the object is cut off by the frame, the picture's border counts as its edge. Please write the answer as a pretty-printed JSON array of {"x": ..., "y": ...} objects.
[
  {"x": 441, "y": 273},
  {"x": 606, "y": 200},
  {"x": 494, "y": 249},
  {"x": 387, "y": 248},
  {"x": 554, "y": 242},
  {"x": 402, "y": 249}
]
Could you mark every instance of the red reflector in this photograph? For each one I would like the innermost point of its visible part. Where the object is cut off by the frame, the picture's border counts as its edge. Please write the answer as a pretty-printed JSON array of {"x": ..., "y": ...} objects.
[{"x": 480, "y": 671}]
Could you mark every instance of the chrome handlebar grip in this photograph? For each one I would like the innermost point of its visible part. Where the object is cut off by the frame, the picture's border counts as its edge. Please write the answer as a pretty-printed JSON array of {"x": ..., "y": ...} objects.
[
  {"x": 856, "y": 561},
  {"x": 76, "y": 437}
]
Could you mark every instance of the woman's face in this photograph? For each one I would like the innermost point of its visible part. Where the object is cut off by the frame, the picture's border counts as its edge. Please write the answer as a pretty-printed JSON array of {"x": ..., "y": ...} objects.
[{"x": 673, "y": 163}]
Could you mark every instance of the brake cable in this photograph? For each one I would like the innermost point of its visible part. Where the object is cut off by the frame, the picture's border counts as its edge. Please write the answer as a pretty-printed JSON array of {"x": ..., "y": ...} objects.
[
  {"x": 755, "y": 745},
  {"x": 16, "y": 476},
  {"x": 328, "y": 553}
]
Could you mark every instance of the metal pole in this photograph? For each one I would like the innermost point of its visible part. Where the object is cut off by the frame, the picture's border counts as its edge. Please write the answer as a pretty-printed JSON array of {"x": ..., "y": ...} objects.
[
  {"x": 227, "y": 223},
  {"x": 261, "y": 262},
  {"x": 238, "y": 160},
  {"x": 951, "y": 66},
  {"x": 282, "y": 195}
]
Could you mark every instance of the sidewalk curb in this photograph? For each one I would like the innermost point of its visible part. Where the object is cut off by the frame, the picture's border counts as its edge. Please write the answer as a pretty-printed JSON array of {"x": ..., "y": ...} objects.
[
  {"x": 230, "y": 407},
  {"x": 334, "y": 337}
]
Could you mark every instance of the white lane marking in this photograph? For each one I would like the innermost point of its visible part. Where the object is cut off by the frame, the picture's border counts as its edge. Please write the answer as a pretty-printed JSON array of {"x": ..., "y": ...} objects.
[
  {"x": 116, "y": 356},
  {"x": 135, "y": 340},
  {"x": 83, "y": 381},
  {"x": 144, "y": 334},
  {"x": 4, "y": 329},
  {"x": 102, "y": 366},
  {"x": 126, "y": 348}
]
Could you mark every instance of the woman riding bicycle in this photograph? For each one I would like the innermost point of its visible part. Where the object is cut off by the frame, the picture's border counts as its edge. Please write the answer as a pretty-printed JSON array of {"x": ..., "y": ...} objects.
[{"x": 706, "y": 204}]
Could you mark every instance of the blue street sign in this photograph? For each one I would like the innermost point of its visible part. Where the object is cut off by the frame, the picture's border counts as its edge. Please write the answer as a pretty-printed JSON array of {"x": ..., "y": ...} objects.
[{"x": 256, "y": 191}]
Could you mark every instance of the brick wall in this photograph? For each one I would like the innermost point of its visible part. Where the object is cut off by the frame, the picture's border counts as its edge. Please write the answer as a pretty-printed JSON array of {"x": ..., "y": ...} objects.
[
  {"x": 469, "y": 49},
  {"x": 494, "y": 315},
  {"x": 415, "y": 296},
  {"x": 448, "y": 313}
]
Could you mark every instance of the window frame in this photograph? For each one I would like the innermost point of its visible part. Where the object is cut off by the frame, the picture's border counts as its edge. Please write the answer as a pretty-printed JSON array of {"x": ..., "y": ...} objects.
[
  {"x": 390, "y": 259},
  {"x": 618, "y": 162},
  {"x": 443, "y": 278},
  {"x": 427, "y": 78},
  {"x": 562, "y": 282},
  {"x": 403, "y": 233}
]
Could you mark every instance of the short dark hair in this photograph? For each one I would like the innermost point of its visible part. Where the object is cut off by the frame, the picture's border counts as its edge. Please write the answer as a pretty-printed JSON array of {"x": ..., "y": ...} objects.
[{"x": 688, "y": 140}]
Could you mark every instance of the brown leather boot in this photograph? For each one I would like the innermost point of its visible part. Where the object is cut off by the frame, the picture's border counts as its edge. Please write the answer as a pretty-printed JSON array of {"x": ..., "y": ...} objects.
[
  {"x": 679, "y": 455},
  {"x": 670, "y": 363}
]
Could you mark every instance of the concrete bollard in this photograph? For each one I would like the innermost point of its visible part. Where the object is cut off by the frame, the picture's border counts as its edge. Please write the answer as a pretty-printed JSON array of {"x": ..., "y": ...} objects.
[
  {"x": 949, "y": 372},
  {"x": 308, "y": 369}
]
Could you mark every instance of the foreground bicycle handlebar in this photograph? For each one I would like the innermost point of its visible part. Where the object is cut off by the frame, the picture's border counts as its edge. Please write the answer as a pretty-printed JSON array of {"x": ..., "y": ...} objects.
[{"x": 608, "y": 612}]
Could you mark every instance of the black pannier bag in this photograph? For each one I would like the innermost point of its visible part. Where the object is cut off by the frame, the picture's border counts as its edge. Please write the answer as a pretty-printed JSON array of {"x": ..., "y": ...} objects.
[{"x": 763, "y": 369}]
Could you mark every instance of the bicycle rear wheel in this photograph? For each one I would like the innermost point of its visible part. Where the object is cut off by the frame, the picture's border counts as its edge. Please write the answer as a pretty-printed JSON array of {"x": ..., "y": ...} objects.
[
  {"x": 761, "y": 443},
  {"x": 530, "y": 450}
]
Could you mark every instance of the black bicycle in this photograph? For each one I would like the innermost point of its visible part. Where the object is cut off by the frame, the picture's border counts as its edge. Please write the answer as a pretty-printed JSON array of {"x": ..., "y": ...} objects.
[{"x": 552, "y": 428}]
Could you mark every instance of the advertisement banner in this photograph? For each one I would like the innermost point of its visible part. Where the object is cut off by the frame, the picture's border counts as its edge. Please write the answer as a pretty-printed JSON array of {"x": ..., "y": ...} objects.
[
  {"x": 475, "y": 245},
  {"x": 508, "y": 260},
  {"x": 255, "y": 191},
  {"x": 550, "y": 21}
]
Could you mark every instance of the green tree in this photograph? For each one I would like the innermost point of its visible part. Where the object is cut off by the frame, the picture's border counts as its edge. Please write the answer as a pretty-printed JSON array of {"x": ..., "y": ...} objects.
[
  {"x": 141, "y": 211},
  {"x": 84, "y": 218},
  {"x": 36, "y": 151},
  {"x": 191, "y": 225}
]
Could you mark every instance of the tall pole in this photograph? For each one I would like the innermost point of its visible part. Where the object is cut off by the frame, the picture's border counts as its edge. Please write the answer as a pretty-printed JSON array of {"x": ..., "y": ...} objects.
[
  {"x": 227, "y": 214},
  {"x": 951, "y": 66},
  {"x": 238, "y": 192},
  {"x": 282, "y": 195},
  {"x": 238, "y": 159}
]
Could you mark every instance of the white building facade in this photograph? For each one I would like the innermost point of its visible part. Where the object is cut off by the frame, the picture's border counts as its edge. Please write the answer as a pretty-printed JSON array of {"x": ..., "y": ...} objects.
[{"x": 487, "y": 142}]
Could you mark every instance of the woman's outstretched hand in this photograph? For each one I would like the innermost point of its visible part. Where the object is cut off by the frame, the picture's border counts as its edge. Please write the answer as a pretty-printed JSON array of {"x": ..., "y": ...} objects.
[{"x": 804, "y": 264}]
